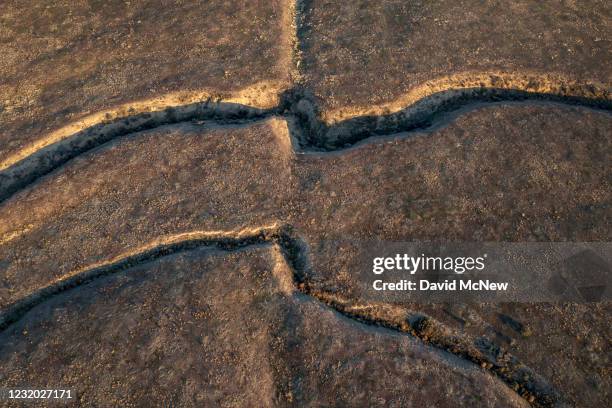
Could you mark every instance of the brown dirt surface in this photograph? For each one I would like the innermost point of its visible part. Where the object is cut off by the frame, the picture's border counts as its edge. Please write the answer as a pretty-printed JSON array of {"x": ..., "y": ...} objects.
[
  {"x": 64, "y": 60},
  {"x": 360, "y": 53},
  {"x": 196, "y": 177},
  {"x": 187, "y": 190},
  {"x": 174, "y": 331}
]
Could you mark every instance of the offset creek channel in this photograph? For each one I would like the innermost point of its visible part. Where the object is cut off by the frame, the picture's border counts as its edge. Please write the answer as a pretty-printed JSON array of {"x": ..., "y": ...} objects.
[
  {"x": 426, "y": 107},
  {"x": 294, "y": 253}
]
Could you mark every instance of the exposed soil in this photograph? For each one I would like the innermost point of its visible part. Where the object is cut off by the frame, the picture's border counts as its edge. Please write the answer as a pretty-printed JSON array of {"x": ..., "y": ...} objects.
[{"x": 186, "y": 190}]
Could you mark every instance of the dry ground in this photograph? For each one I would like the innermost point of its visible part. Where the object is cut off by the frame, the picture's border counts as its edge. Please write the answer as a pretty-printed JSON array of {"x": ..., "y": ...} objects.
[{"x": 224, "y": 328}]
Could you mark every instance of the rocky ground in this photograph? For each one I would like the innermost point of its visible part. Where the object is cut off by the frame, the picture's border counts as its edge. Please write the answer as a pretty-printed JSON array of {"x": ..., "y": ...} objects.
[{"x": 140, "y": 258}]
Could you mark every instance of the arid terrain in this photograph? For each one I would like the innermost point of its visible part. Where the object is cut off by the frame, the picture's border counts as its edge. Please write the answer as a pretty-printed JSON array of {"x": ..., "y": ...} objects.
[{"x": 187, "y": 189}]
